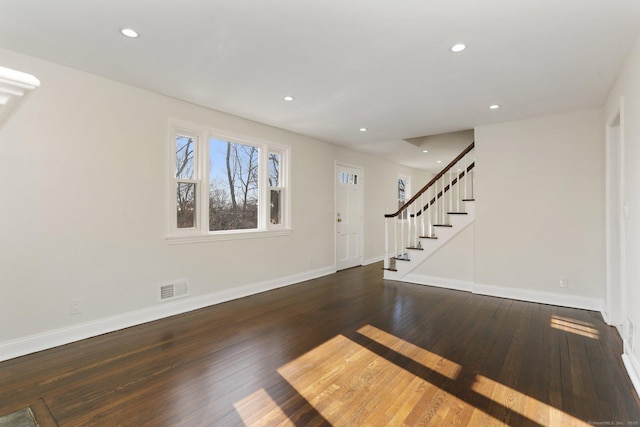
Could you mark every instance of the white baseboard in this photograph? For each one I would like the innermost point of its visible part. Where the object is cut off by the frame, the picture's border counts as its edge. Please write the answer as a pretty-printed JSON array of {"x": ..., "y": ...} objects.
[
  {"x": 439, "y": 282},
  {"x": 633, "y": 369},
  {"x": 57, "y": 337},
  {"x": 541, "y": 297},
  {"x": 373, "y": 260},
  {"x": 562, "y": 300}
]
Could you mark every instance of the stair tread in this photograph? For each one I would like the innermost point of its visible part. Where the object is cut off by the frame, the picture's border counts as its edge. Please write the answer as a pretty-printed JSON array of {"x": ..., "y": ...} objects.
[
  {"x": 468, "y": 200},
  {"x": 456, "y": 213},
  {"x": 401, "y": 259},
  {"x": 427, "y": 237},
  {"x": 442, "y": 225},
  {"x": 390, "y": 269},
  {"x": 415, "y": 248}
]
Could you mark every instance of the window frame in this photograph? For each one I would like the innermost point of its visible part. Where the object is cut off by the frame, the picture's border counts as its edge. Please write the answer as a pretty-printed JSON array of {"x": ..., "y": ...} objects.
[{"x": 200, "y": 232}]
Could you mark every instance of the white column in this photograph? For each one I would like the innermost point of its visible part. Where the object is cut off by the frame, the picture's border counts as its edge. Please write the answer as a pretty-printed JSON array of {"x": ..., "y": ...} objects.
[
  {"x": 386, "y": 243},
  {"x": 466, "y": 178},
  {"x": 458, "y": 188},
  {"x": 395, "y": 236},
  {"x": 422, "y": 212},
  {"x": 402, "y": 221}
]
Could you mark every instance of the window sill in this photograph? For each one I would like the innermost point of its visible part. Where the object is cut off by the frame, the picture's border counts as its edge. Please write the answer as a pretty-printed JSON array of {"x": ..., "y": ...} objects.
[{"x": 216, "y": 237}]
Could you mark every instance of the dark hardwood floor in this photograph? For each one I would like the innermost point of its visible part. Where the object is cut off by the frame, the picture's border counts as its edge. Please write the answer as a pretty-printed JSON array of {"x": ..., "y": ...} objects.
[{"x": 344, "y": 350}]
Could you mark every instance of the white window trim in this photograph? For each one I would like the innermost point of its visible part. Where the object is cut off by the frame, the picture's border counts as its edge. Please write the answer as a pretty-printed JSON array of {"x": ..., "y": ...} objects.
[
  {"x": 407, "y": 188},
  {"x": 200, "y": 233}
]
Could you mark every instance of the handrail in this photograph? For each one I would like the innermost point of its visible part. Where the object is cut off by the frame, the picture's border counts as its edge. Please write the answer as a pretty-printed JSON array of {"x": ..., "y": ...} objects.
[
  {"x": 432, "y": 182},
  {"x": 444, "y": 190}
]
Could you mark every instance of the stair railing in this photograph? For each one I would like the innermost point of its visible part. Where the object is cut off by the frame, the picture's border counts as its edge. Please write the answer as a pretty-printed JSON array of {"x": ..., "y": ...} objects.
[{"x": 429, "y": 208}]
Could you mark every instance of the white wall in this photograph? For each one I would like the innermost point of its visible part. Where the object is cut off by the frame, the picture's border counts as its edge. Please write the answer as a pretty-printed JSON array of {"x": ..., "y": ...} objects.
[
  {"x": 82, "y": 196},
  {"x": 539, "y": 214},
  {"x": 540, "y": 204},
  {"x": 627, "y": 91}
]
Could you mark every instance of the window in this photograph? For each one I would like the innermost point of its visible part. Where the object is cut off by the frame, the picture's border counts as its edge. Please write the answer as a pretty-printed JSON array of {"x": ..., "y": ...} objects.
[
  {"x": 276, "y": 188},
  {"x": 185, "y": 181},
  {"x": 225, "y": 187},
  {"x": 348, "y": 178},
  {"x": 403, "y": 193}
]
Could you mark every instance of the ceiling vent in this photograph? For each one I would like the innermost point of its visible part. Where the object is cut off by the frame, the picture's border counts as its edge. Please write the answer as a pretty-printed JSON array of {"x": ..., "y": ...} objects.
[
  {"x": 15, "y": 86},
  {"x": 172, "y": 290}
]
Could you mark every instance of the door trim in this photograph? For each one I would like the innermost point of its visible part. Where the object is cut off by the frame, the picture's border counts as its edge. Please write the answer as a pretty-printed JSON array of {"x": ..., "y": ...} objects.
[{"x": 337, "y": 164}]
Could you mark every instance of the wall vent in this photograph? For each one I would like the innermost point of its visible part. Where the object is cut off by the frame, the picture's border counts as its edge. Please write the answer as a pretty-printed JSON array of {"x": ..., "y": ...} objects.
[{"x": 172, "y": 290}]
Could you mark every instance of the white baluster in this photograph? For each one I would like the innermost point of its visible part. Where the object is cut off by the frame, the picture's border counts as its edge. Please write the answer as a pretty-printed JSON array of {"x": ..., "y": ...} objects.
[{"x": 450, "y": 191}]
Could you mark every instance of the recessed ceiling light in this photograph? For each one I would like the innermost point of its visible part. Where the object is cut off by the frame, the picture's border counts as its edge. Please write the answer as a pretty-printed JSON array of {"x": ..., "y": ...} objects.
[
  {"x": 425, "y": 151},
  {"x": 289, "y": 98},
  {"x": 458, "y": 48},
  {"x": 128, "y": 32},
  {"x": 363, "y": 129},
  {"x": 494, "y": 106},
  {"x": 439, "y": 161}
]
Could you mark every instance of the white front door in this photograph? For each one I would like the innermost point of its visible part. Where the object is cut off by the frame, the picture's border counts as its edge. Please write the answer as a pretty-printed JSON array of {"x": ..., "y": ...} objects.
[{"x": 349, "y": 216}]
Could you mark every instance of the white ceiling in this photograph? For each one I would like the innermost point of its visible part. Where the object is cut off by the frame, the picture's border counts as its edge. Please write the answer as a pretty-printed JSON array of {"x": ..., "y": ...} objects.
[{"x": 380, "y": 64}]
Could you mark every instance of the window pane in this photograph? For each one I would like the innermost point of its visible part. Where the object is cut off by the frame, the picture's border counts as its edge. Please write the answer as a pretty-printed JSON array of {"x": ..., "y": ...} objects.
[
  {"x": 233, "y": 186},
  {"x": 184, "y": 157},
  {"x": 275, "y": 212},
  {"x": 186, "y": 207},
  {"x": 401, "y": 189},
  {"x": 274, "y": 170}
]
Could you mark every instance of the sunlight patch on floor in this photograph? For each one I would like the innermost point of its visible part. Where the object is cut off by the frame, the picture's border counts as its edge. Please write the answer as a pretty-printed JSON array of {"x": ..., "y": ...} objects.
[
  {"x": 347, "y": 384},
  {"x": 260, "y": 409},
  {"x": 351, "y": 385},
  {"x": 574, "y": 326},
  {"x": 520, "y": 403},
  {"x": 424, "y": 357}
]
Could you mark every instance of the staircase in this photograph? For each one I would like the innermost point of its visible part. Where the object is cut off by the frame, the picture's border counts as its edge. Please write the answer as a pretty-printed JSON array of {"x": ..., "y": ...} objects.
[{"x": 433, "y": 216}]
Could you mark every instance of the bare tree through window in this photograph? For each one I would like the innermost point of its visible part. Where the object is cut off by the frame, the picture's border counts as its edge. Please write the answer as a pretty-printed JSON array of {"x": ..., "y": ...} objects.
[
  {"x": 275, "y": 190},
  {"x": 185, "y": 167},
  {"x": 233, "y": 186}
]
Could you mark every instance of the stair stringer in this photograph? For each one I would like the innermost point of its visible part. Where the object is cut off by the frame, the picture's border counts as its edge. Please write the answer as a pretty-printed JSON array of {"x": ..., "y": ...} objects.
[{"x": 431, "y": 246}]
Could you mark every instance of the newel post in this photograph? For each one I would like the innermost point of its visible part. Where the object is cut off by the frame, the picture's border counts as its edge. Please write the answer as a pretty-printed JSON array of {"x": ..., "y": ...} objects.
[{"x": 386, "y": 243}]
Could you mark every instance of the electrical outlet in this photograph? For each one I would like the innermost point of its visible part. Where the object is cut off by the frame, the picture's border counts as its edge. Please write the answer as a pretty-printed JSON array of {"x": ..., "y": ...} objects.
[
  {"x": 75, "y": 306},
  {"x": 564, "y": 282}
]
